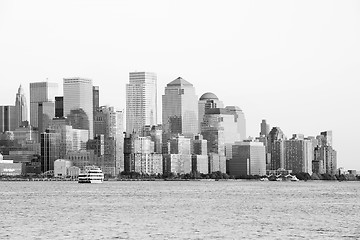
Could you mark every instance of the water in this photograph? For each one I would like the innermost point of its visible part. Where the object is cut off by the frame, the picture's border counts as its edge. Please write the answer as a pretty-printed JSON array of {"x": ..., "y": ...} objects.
[{"x": 180, "y": 210}]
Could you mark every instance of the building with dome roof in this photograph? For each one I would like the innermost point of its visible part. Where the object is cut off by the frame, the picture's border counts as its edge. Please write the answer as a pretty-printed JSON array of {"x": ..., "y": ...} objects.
[{"x": 206, "y": 101}]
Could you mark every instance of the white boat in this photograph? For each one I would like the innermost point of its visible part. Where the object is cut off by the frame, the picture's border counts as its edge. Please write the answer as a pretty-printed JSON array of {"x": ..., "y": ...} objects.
[{"x": 91, "y": 174}]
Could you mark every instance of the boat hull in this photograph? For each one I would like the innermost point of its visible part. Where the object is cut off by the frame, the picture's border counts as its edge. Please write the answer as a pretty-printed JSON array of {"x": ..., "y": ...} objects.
[{"x": 90, "y": 181}]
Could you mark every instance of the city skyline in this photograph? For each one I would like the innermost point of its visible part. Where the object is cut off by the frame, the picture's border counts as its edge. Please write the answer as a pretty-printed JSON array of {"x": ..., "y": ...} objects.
[{"x": 298, "y": 73}]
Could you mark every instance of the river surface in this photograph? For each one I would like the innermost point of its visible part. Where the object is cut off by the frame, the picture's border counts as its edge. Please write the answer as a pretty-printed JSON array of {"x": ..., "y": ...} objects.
[{"x": 180, "y": 210}]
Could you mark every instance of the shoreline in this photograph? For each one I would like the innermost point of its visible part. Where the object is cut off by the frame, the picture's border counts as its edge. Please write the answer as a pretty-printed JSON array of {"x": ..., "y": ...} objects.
[{"x": 157, "y": 180}]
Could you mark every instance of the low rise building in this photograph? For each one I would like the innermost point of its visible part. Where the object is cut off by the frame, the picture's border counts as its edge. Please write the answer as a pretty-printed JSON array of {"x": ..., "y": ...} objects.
[{"x": 61, "y": 167}]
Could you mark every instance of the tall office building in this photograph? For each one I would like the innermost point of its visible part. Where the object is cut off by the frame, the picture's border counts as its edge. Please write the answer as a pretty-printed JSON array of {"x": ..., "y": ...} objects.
[
  {"x": 40, "y": 92},
  {"x": 248, "y": 159},
  {"x": 50, "y": 149},
  {"x": 206, "y": 101},
  {"x": 59, "y": 107},
  {"x": 179, "y": 109},
  {"x": 219, "y": 128},
  {"x": 239, "y": 119},
  {"x": 78, "y": 94},
  {"x": 325, "y": 160},
  {"x": 46, "y": 112},
  {"x": 141, "y": 101},
  {"x": 110, "y": 123},
  {"x": 21, "y": 107},
  {"x": 8, "y": 118},
  {"x": 264, "y": 128},
  {"x": 96, "y": 98},
  {"x": 299, "y": 154},
  {"x": 276, "y": 148}
]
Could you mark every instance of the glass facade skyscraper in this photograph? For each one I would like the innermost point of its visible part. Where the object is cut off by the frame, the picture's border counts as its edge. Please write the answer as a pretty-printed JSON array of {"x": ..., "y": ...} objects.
[
  {"x": 40, "y": 92},
  {"x": 8, "y": 118},
  {"x": 78, "y": 94},
  {"x": 180, "y": 109},
  {"x": 141, "y": 101}
]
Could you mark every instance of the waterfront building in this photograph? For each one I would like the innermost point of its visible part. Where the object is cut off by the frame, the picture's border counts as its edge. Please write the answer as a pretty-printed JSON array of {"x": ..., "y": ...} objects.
[
  {"x": 140, "y": 156},
  {"x": 81, "y": 158},
  {"x": 177, "y": 157},
  {"x": 199, "y": 157},
  {"x": 61, "y": 168},
  {"x": 40, "y": 92},
  {"x": 200, "y": 163},
  {"x": 179, "y": 110},
  {"x": 325, "y": 157},
  {"x": 276, "y": 148},
  {"x": 217, "y": 163},
  {"x": 78, "y": 95},
  {"x": 74, "y": 171},
  {"x": 110, "y": 123},
  {"x": 177, "y": 163},
  {"x": 33, "y": 167},
  {"x": 199, "y": 145},
  {"x": 59, "y": 107},
  {"x": 9, "y": 168},
  {"x": 298, "y": 154},
  {"x": 141, "y": 101},
  {"x": 206, "y": 101},
  {"x": 20, "y": 156},
  {"x": 50, "y": 149},
  {"x": 8, "y": 118},
  {"x": 21, "y": 107},
  {"x": 248, "y": 159}
]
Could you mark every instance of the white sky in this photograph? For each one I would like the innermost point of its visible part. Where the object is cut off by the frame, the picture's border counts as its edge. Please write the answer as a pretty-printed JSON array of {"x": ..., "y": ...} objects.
[{"x": 294, "y": 63}]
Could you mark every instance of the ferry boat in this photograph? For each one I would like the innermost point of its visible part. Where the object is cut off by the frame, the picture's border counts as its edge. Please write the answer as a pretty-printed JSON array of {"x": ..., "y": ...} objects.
[{"x": 91, "y": 174}]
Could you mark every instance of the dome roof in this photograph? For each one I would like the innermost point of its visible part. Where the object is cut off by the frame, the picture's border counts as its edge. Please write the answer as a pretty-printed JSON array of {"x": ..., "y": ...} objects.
[{"x": 208, "y": 95}]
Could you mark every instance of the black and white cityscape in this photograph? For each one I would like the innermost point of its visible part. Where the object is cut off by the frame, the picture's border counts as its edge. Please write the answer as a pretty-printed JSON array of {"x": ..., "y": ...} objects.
[
  {"x": 169, "y": 119},
  {"x": 199, "y": 137}
]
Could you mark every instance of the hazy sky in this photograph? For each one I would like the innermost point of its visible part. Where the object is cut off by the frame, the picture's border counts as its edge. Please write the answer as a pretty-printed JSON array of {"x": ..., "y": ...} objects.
[{"x": 294, "y": 63}]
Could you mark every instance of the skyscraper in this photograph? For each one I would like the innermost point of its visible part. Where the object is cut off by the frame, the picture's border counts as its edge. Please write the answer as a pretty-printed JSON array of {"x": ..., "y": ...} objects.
[
  {"x": 276, "y": 149},
  {"x": 239, "y": 119},
  {"x": 206, "y": 101},
  {"x": 8, "y": 118},
  {"x": 299, "y": 154},
  {"x": 179, "y": 109},
  {"x": 59, "y": 107},
  {"x": 141, "y": 101},
  {"x": 40, "y": 92},
  {"x": 21, "y": 106},
  {"x": 78, "y": 94},
  {"x": 264, "y": 128},
  {"x": 248, "y": 159},
  {"x": 96, "y": 98},
  {"x": 50, "y": 149}
]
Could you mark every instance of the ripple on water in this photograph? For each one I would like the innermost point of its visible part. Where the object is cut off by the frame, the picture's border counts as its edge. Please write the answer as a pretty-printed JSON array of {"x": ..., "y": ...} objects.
[{"x": 179, "y": 210}]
